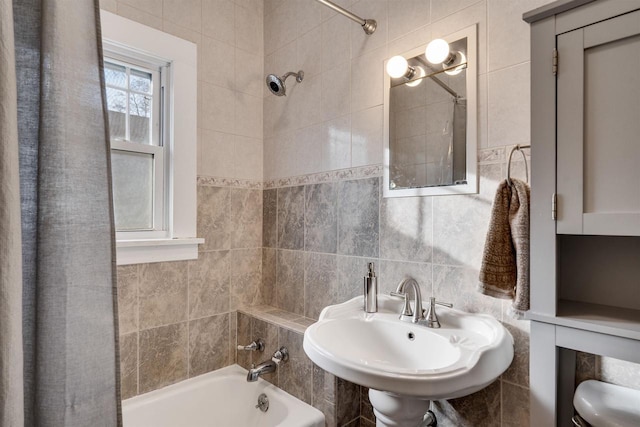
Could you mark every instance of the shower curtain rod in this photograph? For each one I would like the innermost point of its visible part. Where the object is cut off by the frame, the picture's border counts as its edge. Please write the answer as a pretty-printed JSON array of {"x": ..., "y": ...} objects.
[
  {"x": 436, "y": 80},
  {"x": 368, "y": 25}
]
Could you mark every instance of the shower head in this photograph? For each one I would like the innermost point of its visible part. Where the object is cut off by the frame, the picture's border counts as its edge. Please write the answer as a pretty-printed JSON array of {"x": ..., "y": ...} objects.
[{"x": 276, "y": 84}]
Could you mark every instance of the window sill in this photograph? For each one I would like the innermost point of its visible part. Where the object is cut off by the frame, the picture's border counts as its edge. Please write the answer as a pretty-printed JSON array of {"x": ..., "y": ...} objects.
[{"x": 156, "y": 250}]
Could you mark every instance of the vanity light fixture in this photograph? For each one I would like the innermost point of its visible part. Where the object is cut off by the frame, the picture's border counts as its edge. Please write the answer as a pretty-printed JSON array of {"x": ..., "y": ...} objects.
[{"x": 439, "y": 52}]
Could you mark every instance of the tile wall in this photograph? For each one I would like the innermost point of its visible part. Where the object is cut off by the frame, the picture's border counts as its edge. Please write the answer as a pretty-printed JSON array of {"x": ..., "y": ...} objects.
[
  {"x": 333, "y": 120},
  {"x": 320, "y": 236},
  {"x": 607, "y": 369},
  {"x": 339, "y": 400},
  {"x": 178, "y": 319},
  {"x": 229, "y": 37}
]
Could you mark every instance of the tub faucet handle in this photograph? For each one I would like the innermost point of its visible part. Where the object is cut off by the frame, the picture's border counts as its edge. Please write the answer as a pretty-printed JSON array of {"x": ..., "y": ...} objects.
[
  {"x": 281, "y": 355},
  {"x": 257, "y": 345}
]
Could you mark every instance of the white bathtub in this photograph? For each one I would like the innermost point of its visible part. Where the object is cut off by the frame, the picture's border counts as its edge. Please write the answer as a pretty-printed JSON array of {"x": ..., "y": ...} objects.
[{"x": 222, "y": 398}]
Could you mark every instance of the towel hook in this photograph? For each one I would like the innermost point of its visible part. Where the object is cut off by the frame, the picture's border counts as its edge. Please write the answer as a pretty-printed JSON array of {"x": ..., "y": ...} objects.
[{"x": 519, "y": 148}]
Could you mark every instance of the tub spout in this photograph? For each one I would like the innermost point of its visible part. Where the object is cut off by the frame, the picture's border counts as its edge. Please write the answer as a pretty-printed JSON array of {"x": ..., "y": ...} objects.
[
  {"x": 261, "y": 369},
  {"x": 268, "y": 366}
]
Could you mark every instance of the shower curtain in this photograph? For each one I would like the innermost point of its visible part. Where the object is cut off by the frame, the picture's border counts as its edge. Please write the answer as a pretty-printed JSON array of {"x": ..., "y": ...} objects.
[{"x": 58, "y": 316}]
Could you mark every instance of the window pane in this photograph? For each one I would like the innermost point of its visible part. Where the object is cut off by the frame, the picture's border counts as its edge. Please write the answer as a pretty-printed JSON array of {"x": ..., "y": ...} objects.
[
  {"x": 140, "y": 118},
  {"x": 117, "y": 105},
  {"x": 132, "y": 190},
  {"x": 140, "y": 81},
  {"x": 115, "y": 75}
]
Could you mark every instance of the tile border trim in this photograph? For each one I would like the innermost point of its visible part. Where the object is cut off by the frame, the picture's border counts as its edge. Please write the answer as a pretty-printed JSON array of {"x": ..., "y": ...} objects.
[
  {"x": 330, "y": 176},
  {"x": 213, "y": 181},
  {"x": 485, "y": 156}
]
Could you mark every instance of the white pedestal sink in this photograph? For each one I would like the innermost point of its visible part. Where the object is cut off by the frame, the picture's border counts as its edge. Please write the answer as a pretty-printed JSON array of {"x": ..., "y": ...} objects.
[{"x": 407, "y": 365}]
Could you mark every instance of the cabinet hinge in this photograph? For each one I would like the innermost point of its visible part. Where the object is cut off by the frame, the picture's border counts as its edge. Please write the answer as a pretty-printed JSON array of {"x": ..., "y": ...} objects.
[
  {"x": 554, "y": 67},
  {"x": 554, "y": 206}
]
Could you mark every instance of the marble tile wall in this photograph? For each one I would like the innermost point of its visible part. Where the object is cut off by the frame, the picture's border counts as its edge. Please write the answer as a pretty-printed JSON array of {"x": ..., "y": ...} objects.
[
  {"x": 177, "y": 319},
  {"x": 338, "y": 399},
  {"x": 340, "y": 226},
  {"x": 607, "y": 369}
]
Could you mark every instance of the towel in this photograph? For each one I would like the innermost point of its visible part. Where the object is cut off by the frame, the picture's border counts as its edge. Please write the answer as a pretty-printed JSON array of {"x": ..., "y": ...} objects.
[{"x": 505, "y": 261}]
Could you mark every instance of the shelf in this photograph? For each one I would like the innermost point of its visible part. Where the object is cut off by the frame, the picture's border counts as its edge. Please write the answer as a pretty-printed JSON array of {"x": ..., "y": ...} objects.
[{"x": 620, "y": 322}]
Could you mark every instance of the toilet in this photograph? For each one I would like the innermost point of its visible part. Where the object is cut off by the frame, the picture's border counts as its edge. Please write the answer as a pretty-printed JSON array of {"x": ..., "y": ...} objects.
[{"x": 606, "y": 405}]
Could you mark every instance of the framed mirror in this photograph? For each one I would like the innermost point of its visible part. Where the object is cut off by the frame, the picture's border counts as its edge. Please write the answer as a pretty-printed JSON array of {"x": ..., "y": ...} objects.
[{"x": 430, "y": 118}]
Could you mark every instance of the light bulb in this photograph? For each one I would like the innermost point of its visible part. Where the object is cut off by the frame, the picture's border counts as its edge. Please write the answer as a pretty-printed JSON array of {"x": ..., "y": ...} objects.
[
  {"x": 417, "y": 79},
  {"x": 437, "y": 51},
  {"x": 397, "y": 66},
  {"x": 460, "y": 59}
]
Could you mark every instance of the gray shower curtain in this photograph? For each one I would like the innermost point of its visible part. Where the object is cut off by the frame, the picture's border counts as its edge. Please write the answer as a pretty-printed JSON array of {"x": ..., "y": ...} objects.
[{"x": 58, "y": 314}]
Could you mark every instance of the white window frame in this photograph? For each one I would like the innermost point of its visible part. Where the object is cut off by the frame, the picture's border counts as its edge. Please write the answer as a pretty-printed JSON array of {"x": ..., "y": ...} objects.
[{"x": 178, "y": 241}]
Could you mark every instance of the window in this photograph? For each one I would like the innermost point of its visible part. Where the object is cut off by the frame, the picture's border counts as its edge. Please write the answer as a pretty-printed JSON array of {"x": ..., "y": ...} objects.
[
  {"x": 150, "y": 79},
  {"x": 136, "y": 103}
]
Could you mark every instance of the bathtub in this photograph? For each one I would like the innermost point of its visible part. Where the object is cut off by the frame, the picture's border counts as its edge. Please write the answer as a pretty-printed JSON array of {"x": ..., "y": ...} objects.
[{"x": 222, "y": 398}]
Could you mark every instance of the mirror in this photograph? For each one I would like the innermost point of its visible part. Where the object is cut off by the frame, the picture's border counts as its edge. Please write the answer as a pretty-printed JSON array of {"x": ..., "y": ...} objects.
[{"x": 430, "y": 129}]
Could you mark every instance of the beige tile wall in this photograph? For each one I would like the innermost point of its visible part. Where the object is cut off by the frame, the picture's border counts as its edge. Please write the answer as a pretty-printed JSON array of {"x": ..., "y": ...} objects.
[
  {"x": 333, "y": 119},
  {"x": 338, "y": 399},
  {"x": 607, "y": 369},
  {"x": 177, "y": 319},
  {"x": 229, "y": 36}
]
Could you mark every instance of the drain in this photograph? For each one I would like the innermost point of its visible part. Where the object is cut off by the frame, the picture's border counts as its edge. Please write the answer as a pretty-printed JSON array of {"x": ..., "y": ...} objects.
[
  {"x": 263, "y": 403},
  {"x": 411, "y": 336}
]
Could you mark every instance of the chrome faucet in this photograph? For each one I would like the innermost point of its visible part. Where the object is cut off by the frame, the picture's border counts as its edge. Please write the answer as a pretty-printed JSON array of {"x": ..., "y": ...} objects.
[
  {"x": 417, "y": 314},
  {"x": 268, "y": 366}
]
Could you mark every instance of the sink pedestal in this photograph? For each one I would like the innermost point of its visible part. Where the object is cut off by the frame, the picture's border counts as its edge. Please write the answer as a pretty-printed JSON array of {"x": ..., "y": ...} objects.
[{"x": 397, "y": 411}]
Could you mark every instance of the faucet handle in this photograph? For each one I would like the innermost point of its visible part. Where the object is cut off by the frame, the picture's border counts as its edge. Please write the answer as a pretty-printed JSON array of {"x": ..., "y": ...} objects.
[
  {"x": 431, "y": 317},
  {"x": 445, "y": 304},
  {"x": 406, "y": 309},
  {"x": 257, "y": 345},
  {"x": 280, "y": 355},
  {"x": 407, "y": 312}
]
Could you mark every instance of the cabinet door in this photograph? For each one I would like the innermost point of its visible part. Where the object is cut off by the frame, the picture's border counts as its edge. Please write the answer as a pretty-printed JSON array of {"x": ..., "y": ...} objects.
[{"x": 598, "y": 125}]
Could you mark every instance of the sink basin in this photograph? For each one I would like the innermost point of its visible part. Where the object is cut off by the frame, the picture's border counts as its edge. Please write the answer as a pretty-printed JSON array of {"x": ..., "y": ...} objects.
[{"x": 379, "y": 351}]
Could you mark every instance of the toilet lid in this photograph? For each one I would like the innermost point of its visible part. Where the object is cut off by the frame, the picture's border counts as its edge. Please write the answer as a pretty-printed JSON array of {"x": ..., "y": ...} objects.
[{"x": 607, "y": 405}]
